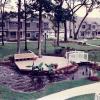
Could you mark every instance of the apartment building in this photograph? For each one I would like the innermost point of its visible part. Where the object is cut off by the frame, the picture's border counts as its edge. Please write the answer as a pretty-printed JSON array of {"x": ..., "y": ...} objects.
[
  {"x": 11, "y": 25},
  {"x": 90, "y": 28}
]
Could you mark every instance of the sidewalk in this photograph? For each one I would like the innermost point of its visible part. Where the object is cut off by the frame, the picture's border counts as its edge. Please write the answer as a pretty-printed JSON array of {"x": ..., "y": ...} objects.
[{"x": 69, "y": 93}]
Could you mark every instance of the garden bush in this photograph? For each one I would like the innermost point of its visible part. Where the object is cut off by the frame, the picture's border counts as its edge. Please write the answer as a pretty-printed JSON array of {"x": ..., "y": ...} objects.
[{"x": 94, "y": 78}]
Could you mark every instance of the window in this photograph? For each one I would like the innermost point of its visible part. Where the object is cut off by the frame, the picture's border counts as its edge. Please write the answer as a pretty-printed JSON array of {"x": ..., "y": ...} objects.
[
  {"x": 13, "y": 24},
  {"x": 37, "y": 34},
  {"x": 20, "y": 34},
  {"x": 20, "y": 24},
  {"x": 82, "y": 33},
  {"x": 28, "y": 34},
  {"x": 93, "y": 26},
  {"x": 89, "y": 27},
  {"x": 83, "y": 26},
  {"x": 1, "y": 24},
  {"x": 37, "y": 25},
  {"x": 46, "y": 25},
  {"x": 13, "y": 34},
  {"x": 28, "y": 24},
  {"x": 98, "y": 32}
]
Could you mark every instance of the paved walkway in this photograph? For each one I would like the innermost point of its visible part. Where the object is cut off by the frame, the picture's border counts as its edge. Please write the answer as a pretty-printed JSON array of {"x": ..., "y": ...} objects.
[{"x": 69, "y": 93}]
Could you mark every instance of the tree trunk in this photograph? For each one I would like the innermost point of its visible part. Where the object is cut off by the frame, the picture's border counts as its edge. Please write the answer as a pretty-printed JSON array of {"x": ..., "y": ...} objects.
[
  {"x": 73, "y": 27},
  {"x": 25, "y": 25},
  {"x": 40, "y": 30},
  {"x": 18, "y": 32},
  {"x": 70, "y": 30},
  {"x": 58, "y": 34},
  {"x": 73, "y": 18},
  {"x": 75, "y": 35},
  {"x": 65, "y": 33},
  {"x": 2, "y": 14}
]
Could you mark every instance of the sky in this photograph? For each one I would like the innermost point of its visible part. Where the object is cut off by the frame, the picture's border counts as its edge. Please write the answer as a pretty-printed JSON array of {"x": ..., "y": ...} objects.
[{"x": 93, "y": 14}]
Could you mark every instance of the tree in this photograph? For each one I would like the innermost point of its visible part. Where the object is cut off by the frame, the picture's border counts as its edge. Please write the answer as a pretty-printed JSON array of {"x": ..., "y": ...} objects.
[
  {"x": 75, "y": 5},
  {"x": 89, "y": 8},
  {"x": 19, "y": 26},
  {"x": 2, "y": 8},
  {"x": 25, "y": 20},
  {"x": 61, "y": 16},
  {"x": 54, "y": 23},
  {"x": 26, "y": 14},
  {"x": 40, "y": 6},
  {"x": 13, "y": 14},
  {"x": 40, "y": 28},
  {"x": 58, "y": 12},
  {"x": 66, "y": 17}
]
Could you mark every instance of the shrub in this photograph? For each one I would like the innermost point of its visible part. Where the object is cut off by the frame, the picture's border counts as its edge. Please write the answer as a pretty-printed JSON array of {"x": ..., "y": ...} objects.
[{"x": 94, "y": 78}]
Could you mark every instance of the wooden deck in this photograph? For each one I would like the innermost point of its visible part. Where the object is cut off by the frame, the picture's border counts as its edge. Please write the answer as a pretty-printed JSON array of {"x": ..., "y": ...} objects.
[
  {"x": 60, "y": 61},
  {"x": 26, "y": 60}
]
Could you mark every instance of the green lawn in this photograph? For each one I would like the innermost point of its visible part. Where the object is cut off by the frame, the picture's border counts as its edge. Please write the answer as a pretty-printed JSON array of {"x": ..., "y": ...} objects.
[
  {"x": 94, "y": 42},
  {"x": 10, "y": 48},
  {"x": 94, "y": 56},
  {"x": 77, "y": 47},
  {"x": 83, "y": 97},
  {"x": 6, "y": 94}
]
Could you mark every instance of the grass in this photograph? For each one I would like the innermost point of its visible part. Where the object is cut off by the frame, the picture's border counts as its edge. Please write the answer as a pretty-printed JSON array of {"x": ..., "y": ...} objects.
[
  {"x": 94, "y": 42},
  {"x": 99, "y": 73},
  {"x": 83, "y": 97},
  {"x": 6, "y": 94},
  {"x": 94, "y": 56},
  {"x": 10, "y": 48},
  {"x": 77, "y": 47}
]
